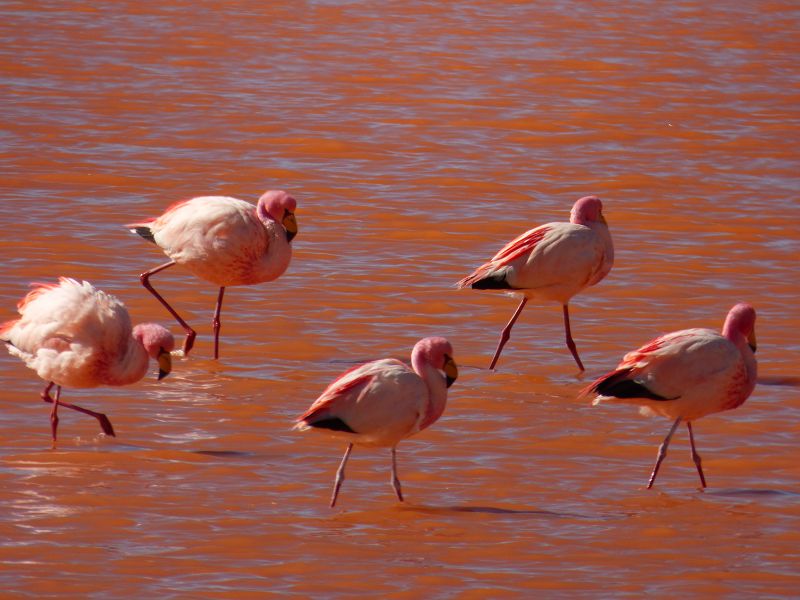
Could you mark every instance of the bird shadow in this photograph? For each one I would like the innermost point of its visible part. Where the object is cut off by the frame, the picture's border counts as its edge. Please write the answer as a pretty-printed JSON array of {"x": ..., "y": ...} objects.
[
  {"x": 751, "y": 493},
  {"x": 780, "y": 380},
  {"x": 498, "y": 510}
]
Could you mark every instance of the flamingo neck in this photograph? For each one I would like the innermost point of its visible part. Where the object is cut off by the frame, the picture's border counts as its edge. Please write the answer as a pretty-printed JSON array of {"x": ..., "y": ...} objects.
[
  {"x": 129, "y": 367},
  {"x": 437, "y": 389},
  {"x": 261, "y": 211}
]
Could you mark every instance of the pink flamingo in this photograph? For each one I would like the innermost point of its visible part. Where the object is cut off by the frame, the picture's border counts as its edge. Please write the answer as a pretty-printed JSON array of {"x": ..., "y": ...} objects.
[
  {"x": 552, "y": 262},
  {"x": 383, "y": 402},
  {"x": 74, "y": 335},
  {"x": 686, "y": 375},
  {"x": 225, "y": 241}
]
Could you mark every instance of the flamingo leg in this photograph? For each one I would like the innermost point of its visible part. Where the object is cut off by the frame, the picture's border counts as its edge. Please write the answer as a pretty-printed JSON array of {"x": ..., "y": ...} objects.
[
  {"x": 695, "y": 455},
  {"x": 54, "y": 412},
  {"x": 395, "y": 480},
  {"x": 340, "y": 474},
  {"x": 506, "y": 333},
  {"x": 190, "y": 333},
  {"x": 105, "y": 424},
  {"x": 215, "y": 322},
  {"x": 662, "y": 451},
  {"x": 570, "y": 341}
]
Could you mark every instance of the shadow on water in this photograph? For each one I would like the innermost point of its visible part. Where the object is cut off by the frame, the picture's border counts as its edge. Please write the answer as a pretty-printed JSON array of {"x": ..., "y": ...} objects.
[
  {"x": 780, "y": 380},
  {"x": 224, "y": 453},
  {"x": 497, "y": 510},
  {"x": 752, "y": 493}
]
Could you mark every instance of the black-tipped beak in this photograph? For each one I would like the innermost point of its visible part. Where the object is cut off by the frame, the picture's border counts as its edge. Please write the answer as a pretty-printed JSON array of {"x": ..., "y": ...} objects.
[
  {"x": 751, "y": 341},
  {"x": 290, "y": 225},
  {"x": 450, "y": 370},
  {"x": 164, "y": 364}
]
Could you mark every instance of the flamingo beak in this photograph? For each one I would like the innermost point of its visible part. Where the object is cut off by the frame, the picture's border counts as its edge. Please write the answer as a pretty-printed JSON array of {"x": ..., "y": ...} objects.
[
  {"x": 290, "y": 225},
  {"x": 751, "y": 341},
  {"x": 164, "y": 364},
  {"x": 450, "y": 370}
]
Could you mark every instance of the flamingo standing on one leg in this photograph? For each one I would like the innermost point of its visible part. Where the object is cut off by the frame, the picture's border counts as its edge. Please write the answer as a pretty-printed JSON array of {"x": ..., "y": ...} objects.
[
  {"x": 686, "y": 375},
  {"x": 384, "y": 401},
  {"x": 225, "y": 241},
  {"x": 74, "y": 335},
  {"x": 551, "y": 262}
]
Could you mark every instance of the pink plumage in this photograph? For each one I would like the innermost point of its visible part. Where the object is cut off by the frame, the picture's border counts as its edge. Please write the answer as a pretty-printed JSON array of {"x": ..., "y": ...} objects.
[
  {"x": 74, "y": 335},
  {"x": 686, "y": 375},
  {"x": 552, "y": 262},
  {"x": 383, "y": 402},
  {"x": 225, "y": 241}
]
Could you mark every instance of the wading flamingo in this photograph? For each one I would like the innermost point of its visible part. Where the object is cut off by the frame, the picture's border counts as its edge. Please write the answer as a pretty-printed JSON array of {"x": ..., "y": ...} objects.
[
  {"x": 225, "y": 241},
  {"x": 74, "y": 335},
  {"x": 552, "y": 262},
  {"x": 686, "y": 375},
  {"x": 383, "y": 402}
]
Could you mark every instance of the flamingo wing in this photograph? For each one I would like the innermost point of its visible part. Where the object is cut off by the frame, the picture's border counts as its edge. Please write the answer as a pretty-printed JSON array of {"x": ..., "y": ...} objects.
[
  {"x": 380, "y": 402},
  {"x": 519, "y": 246}
]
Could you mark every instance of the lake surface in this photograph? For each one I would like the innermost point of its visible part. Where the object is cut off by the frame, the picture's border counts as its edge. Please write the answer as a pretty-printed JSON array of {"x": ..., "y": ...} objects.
[{"x": 418, "y": 137}]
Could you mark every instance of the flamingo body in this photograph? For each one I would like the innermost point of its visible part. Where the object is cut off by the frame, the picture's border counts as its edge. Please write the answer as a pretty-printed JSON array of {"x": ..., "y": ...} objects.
[
  {"x": 385, "y": 401},
  {"x": 225, "y": 241},
  {"x": 77, "y": 336},
  {"x": 552, "y": 262},
  {"x": 221, "y": 239},
  {"x": 687, "y": 374}
]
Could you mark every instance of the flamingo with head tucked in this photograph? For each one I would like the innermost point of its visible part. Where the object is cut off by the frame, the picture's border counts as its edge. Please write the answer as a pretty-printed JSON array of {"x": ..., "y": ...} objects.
[
  {"x": 74, "y": 335},
  {"x": 552, "y": 262},
  {"x": 225, "y": 241},
  {"x": 383, "y": 402},
  {"x": 686, "y": 375}
]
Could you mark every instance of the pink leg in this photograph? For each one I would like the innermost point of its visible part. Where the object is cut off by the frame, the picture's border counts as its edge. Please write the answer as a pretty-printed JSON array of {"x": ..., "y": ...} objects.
[
  {"x": 506, "y": 333},
  {"x": 190, "y": 333},
  {"x": 340, "y": 475},
  {"x": 395, "y": 480},
  {"x": 105, "y": 424},
  {"x": 662, "y": 452},
  {"x": 215, "y": 322},
  {"x": 570, "y": 341},
  {"x": 54, "y": 412},
  {"x": 695, "y": 455}
]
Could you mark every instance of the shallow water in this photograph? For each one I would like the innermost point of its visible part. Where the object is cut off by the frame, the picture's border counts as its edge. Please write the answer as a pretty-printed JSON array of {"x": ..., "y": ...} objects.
[{"x": 418, "y": 138}]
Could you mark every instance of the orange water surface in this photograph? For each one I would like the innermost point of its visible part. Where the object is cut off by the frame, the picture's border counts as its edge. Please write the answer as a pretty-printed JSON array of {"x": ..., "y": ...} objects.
[{"x": 418, "y": 137}]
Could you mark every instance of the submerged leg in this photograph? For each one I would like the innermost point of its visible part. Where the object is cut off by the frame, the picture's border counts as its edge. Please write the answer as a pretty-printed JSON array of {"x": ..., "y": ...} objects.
[
  {"x": 662, "y": 451},
  {"x": 395, "y": 480},
  {"x": 340, "y": 474},
  {"x": 570, "y": 341},
  {"x": 105, "y": 424},
  {"x": 695, "y": 455},
  {"x": 190, "y": 333},
  {"x": 215, "y": 324},
  {"x": 506, "y": 333}
]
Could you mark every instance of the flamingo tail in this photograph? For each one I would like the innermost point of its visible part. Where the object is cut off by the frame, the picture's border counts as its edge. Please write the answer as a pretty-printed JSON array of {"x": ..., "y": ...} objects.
[
  {"x": 144, "y": 231},
  {"x": 618, "y": 385}
]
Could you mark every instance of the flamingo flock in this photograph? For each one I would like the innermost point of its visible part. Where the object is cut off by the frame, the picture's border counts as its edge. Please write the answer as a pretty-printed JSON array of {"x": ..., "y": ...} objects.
[{"x": 76, "y": 336}]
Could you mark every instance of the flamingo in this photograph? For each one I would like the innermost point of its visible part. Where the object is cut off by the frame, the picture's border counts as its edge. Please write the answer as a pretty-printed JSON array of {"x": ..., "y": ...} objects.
[
  {"x": 685, "y": 375},
  {"x": 225, "y": 241},
  {"x": 383, "y": 402},
  {"x": 552, "y": 262},
  {"x": 74, "y": 335}
]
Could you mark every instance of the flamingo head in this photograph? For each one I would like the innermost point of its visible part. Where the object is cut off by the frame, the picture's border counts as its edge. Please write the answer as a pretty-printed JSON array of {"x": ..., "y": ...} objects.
[
  {"x": 588, "y": 209},
  {"x": 438, "y": 352},
  {"x": 158, "y": 342},
  {"x": 741, "y": 321},
  {"x": 278, "y": 206}
]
